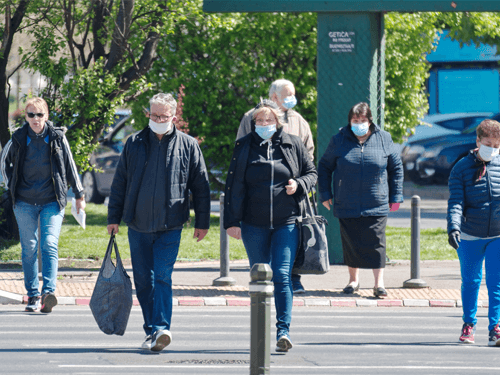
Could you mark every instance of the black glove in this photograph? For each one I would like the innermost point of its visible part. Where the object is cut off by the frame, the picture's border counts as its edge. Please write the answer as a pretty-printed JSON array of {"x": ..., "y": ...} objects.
[{"x": 454, "y": 239}]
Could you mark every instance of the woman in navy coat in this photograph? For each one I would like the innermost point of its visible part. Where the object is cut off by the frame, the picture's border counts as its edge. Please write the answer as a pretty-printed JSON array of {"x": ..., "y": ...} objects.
[{"x": 367, "y": 183}]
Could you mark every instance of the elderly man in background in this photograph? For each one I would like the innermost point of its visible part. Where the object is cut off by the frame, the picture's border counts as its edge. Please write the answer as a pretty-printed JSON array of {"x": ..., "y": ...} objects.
[
  {"x": 150, "y": 193},
  {"x": 282, "y": 92}
]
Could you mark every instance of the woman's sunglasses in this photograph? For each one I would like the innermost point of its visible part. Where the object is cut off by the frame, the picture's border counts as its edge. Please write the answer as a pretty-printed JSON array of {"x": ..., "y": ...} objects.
[{"x": 32, "y": 115}]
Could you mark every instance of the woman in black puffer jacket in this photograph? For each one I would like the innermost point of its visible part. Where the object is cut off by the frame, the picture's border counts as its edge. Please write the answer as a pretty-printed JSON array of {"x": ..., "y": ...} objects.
[{"x": 270, "y": 171}]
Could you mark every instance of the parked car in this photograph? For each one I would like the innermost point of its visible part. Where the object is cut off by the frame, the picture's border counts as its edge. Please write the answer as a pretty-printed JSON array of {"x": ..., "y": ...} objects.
[
  {"x": 448, "y": 123},
  {"x": 430, "y": 160},
  {"x": 97, "y": 184}
]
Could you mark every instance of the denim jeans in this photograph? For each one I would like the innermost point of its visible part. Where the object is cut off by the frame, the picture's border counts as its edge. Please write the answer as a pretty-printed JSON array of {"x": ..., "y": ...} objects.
[
  {"x": 471, "y": 255},
  {"x": 279, "y": 244},
  {"x": 153, "y": 258},
  {"x": 51, "y": 218}
]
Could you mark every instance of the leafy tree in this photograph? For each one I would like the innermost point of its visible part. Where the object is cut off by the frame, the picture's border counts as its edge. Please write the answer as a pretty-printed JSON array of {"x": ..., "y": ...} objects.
[
  {"x": 95, "y": 55},
  {"x": 227, "y": 66},
  {"x": 409, "y": 38},
  {"x": 13, "y": 23}
]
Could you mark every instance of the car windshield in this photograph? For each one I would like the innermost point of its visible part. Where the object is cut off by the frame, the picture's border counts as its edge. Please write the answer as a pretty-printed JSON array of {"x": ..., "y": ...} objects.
[
  {"x": 471, "y": 129},
  {"x": 121, "y": 136}
]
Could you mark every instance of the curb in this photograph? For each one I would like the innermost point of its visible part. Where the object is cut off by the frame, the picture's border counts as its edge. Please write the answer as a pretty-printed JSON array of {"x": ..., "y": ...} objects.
[{"x": 7, "y": 298}]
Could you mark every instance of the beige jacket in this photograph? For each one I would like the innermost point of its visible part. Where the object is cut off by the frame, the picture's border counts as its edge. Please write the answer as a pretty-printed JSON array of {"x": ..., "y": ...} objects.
[{"x": 296, "y": 126}]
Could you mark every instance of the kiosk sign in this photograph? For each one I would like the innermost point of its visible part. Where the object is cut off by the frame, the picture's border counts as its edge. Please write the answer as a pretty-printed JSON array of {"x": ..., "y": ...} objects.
[{"x": 342, "y": 41}]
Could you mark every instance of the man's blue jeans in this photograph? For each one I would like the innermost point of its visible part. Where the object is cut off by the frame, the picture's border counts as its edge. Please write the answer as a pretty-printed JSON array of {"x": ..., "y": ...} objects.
[
  {"x": 471, "y": 255},
  {"x": 279, "y": 244},
  {"x": 153, "y": 258},
  {"x": 51, "y": 218}
]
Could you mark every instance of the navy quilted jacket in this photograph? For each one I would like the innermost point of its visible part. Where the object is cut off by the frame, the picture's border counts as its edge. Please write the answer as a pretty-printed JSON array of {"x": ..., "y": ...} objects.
[
  {"x": 366, "y": 178},
  {"x": 474, "y": 207}
]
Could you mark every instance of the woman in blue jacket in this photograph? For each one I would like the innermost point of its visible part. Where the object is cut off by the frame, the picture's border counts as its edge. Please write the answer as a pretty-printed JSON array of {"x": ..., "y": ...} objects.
[
  {"x": 367, "y": 183},
  {"x": 474, "y": 227},
  {"x": 269, "y": 172}
]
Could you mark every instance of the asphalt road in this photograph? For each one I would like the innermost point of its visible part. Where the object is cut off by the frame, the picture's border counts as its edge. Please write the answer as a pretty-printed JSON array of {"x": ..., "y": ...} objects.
[{"x": 216, "y": 341}]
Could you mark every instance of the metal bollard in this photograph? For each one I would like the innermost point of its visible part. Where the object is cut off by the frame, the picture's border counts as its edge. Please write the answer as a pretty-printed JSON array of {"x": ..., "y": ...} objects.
[
  {"x": 261, "y": 291},
  {"x": 415, "y": 281},
  {"x": 224, "y": 279}
]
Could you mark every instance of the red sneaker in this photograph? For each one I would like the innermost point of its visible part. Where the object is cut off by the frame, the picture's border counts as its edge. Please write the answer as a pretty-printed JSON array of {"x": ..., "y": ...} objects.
[
  {"x": 494, "y": 338},
  {"x": 468, "y": 330}
]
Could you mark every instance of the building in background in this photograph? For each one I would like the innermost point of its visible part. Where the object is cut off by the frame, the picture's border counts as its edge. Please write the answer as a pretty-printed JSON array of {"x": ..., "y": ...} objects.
[{"x": 463, "y": 79}]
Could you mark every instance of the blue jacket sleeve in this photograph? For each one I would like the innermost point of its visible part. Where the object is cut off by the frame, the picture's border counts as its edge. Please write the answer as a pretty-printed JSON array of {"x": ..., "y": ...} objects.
[
  {"x": 457, "y": 198},
  {"x": 395, "y": 174},
  {"x": 326, "y": 167}
]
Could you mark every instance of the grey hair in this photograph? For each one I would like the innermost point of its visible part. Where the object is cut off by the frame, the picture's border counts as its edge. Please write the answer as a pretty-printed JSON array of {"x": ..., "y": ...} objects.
[
  {"x": 277, "y": 86},
  {"x": 164, "y": 99}
]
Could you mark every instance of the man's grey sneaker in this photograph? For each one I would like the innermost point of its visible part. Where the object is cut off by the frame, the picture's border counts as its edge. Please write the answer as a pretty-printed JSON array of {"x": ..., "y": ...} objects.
[
  {"x": 160, "y": 340},
  {"x": 284, "y": 343},
  {"x": 49, "y": 300},
  {"x": 147, "y": 343},
  {"x": 33, "y": 304},
  {"x": 494, "y": 337},
  {"x": 467, "y": 336}
]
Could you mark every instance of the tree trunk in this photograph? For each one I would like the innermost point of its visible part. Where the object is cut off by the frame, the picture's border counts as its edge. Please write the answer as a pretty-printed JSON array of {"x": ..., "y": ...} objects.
[{"x": 11, "y": 27}]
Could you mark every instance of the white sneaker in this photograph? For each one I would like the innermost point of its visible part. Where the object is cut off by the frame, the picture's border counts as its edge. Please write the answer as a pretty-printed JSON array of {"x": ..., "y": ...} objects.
[
  {"x": 160, "y": 340},
  {"x": 147, "y": 343},
  {"x": 284, "y": 344}
]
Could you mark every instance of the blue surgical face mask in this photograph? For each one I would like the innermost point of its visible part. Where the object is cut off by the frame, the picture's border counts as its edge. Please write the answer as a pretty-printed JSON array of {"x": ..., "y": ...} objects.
[
  {"x": 360, "y": 130},
  {"x": 289, "y": 102},
  {"x": 265, "y": 132}
]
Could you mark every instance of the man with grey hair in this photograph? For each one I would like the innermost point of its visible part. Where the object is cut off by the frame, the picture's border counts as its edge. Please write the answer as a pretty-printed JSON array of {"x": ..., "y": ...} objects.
[
  {"x": 150, "y": 193},
  {"x": 282, "y": 92}
]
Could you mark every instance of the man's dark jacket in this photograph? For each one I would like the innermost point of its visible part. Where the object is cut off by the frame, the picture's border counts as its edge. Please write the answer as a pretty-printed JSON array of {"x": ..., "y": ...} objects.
[
  {"x": 296, "y": 156},
  {"x": 63, "y": 168},
  {"x": 186, "y": 172},
  {"x": 474, "y": 206}
]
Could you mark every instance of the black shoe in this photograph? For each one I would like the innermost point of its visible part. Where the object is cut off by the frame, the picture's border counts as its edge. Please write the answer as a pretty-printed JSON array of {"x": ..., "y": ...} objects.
[
  {"x": 298, "y": 288},
  {"x": 49, "y": 300},
  {"x": 379, "y": 292},
  {"x": 33, "y": 304},
  {"x": 349, "y": 289}
]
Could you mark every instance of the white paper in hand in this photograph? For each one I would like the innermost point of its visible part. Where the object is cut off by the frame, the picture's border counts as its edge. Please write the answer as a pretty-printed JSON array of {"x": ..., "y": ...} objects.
[{"x": 80, "y": 217}]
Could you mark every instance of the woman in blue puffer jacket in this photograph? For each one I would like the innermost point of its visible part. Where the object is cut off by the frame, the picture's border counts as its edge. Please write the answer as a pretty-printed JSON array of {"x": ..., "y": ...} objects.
[
  {"x": 367, "y": 183},
  {"x": 474, "y": 227}
]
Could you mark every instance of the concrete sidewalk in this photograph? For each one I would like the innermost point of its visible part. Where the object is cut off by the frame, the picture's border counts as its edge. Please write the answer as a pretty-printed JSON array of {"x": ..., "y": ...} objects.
[{"x": 192, "y": 286}]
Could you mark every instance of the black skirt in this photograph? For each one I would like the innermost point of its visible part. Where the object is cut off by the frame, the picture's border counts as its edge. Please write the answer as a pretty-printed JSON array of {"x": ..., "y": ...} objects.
[{"x": 363, "y": 241}]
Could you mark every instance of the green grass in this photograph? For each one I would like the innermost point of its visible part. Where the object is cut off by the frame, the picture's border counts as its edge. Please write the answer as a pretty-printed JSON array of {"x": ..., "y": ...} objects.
[
  {"x": 433, "y": 244},
  {"x": 91, "y": 243}
]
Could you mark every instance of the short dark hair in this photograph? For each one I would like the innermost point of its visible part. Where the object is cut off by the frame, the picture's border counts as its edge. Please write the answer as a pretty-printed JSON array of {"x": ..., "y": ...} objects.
[
  {"x": 360, "y": 109},
  {"x": 488, "y": 129}
]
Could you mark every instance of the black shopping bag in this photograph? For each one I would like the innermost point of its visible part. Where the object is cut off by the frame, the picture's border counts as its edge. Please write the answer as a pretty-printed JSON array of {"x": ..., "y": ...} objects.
[
  {"x": 312, "y": 253},
  {"x": 111, "y": 300}
]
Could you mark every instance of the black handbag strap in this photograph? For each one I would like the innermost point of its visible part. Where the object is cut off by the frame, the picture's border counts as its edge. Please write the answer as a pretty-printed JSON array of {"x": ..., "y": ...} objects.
[{"x": 112, "y": 244}]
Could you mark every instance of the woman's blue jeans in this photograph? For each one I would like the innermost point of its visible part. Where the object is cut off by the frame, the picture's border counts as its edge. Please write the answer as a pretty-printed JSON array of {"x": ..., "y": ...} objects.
[
  {"x": 153, "y": 258},
  {"x": 471, "y": 255},
  {"x": 279, "y": 245},
  {"x": 51, "y": 218}
]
